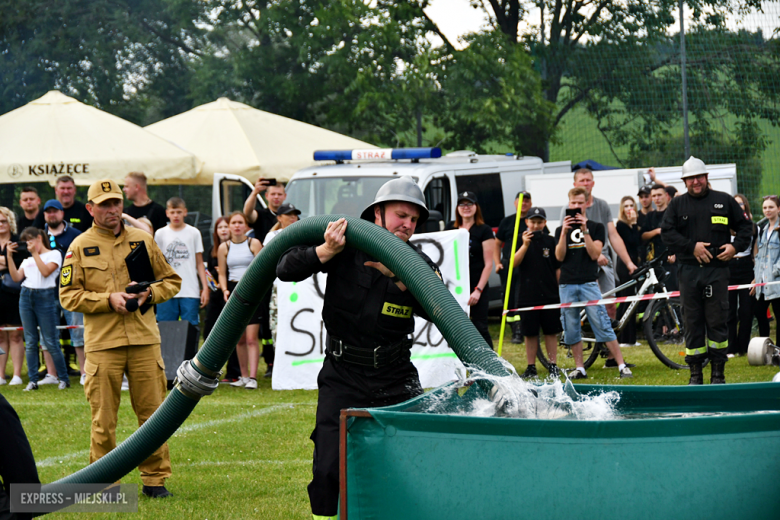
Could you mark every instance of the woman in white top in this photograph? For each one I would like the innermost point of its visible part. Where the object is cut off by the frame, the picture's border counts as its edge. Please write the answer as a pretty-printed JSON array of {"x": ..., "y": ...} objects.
[
  {"x": 38, "y": 303},
  {"x": 234, "y": 257}
]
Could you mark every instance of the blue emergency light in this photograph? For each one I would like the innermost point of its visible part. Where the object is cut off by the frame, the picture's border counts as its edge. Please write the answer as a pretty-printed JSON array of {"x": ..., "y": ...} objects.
[{"x": 377, "y": 154}]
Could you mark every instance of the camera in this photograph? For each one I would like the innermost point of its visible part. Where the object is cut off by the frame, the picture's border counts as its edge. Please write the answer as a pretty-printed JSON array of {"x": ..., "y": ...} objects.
[
  {"x": 536, "y": 235},
  {"x": 21, "y": 247}
]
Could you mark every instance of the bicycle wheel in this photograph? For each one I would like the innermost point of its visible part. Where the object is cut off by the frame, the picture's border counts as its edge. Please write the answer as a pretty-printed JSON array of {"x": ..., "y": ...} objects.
[
  {"x": 665, "y": 332},
  {"x": 590, "y": 351}
]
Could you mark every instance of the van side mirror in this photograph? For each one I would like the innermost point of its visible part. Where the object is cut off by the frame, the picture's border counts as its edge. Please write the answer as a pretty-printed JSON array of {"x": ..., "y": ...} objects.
[{"x": 434, "y": 223}]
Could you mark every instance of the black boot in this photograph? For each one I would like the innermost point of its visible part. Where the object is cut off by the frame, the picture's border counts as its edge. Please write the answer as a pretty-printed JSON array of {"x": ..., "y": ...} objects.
[
  {"x": 697, "y": 378},
  {"x": 517, "y": 333},
  {"x": 718, "y": 377}
]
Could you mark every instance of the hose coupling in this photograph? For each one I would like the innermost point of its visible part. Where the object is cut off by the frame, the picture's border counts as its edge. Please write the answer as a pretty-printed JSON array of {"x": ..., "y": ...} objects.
[{"x": 193, "y": 383}]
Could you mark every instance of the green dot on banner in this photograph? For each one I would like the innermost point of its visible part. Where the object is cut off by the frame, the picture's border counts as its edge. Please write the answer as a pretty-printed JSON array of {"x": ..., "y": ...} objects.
[
  {"x": 458, "y": 290},
  {"x": 294, "y": 297}
]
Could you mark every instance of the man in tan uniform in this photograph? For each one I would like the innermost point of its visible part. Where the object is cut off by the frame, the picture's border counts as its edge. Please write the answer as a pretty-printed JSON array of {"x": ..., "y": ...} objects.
[{"x": 117, "y": 341}]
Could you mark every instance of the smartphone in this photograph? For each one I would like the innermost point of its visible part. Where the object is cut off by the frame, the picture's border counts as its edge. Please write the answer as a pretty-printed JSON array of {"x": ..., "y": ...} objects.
[
  {"x": 21, "y": 247},
  {"x": 270, "y": 182},
  {"x": 573, "y": 212},
  {"x": 536, "y": 235}
]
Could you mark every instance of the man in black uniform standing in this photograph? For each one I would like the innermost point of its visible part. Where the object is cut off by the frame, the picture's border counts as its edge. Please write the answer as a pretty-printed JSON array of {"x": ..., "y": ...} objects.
[
  {"x": 697, "y": 228},
  {"x": 368, "y": 314}
]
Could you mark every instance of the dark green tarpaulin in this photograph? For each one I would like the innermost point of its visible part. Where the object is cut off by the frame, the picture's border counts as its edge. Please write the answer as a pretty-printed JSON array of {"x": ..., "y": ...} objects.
[{"x": 403, "y": 463}]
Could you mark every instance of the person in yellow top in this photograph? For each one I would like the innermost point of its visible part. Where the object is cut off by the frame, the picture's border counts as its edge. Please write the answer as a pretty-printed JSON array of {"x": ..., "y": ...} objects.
[{"x": 93, "y": 280}]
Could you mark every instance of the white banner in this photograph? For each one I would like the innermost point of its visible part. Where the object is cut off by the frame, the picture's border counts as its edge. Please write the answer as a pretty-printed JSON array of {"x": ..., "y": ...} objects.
[{"x": 300, "y": 336}]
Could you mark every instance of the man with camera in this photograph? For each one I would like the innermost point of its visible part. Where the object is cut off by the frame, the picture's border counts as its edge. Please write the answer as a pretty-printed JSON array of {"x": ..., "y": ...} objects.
[
  {"x": 697, "y": 228},
  {"x": 119, "y": 337},
  {"x": 263, "y": 219}
]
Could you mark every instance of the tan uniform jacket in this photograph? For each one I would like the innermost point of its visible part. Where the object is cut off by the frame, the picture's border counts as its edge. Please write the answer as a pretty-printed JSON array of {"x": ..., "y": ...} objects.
[{"x": 94, "y": 267}]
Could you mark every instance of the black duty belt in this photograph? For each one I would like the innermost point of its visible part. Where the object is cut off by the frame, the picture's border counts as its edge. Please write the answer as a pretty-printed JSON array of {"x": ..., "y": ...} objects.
[{"x": 375, "y": 357}]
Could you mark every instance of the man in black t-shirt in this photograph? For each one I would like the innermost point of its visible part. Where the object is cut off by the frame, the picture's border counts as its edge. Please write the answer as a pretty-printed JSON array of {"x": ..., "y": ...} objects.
[
  {"x": 75, "y": 213},
  {"x": 142, "y": 205},
  {"x": 30, "y": 203},
  {"x": 263, "y": 219},
  {"x": 505, "y": 234},
  {"x": 578, "y": 246},
  {"x": 651, "y": 235},
  {"x": 537, "y": 278}
]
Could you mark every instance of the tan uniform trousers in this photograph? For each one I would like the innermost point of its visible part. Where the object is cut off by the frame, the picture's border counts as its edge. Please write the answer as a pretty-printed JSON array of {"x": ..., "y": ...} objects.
[{"x": 146, "y": 375}]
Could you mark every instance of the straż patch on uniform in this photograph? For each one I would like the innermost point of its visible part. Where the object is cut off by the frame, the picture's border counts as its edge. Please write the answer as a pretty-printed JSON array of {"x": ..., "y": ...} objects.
[
  {"x": 399, "y": 311},
  {"x": 66, "y": 276},
  {"x": 91, "y": 251}
]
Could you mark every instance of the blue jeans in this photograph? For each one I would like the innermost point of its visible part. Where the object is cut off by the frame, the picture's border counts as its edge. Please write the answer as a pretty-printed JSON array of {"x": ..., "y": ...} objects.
[
  {"x": 597, "y": 314},
  {"x": 74, "y": 318},
  {"x": 40, "y": 308},
  {"x": 171, "y": 310}
]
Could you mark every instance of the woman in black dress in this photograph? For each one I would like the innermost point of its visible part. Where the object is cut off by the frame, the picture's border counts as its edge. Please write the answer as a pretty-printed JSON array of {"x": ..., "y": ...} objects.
[
  {"x": 629, "y": 231},
  {"x": 482, "y": 244}
]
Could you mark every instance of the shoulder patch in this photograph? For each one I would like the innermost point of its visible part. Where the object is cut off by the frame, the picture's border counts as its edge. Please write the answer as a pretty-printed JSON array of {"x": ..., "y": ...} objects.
[
  {"x": 91, "y": 251},
  {"x": 66, "y": 276},
  {"x": 69, "y": 254},
  {"x": 133, "y": 245}
]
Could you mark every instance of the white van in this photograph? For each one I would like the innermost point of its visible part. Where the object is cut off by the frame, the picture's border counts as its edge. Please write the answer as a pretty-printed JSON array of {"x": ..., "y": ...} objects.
[{"x": 347, "y": 182}]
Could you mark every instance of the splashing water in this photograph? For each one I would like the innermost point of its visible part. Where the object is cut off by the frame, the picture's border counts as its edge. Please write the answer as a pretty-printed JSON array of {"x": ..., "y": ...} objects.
[{"x": 552, "y": 400}]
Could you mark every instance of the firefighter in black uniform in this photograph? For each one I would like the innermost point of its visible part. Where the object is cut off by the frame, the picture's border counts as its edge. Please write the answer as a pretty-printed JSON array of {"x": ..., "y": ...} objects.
[
  {"x": 697, "y": 228},
  {"x": 368, "y": 315}
]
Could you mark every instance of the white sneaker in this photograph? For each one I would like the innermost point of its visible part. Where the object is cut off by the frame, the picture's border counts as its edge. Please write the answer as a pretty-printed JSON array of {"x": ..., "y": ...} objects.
[
  {"x": 63, "y": 385},
  {"x": 16, "y": 381},
  {"x": 125, "y": 383},
  {"x": 83, "y": 379},
  {"x": 31, "y": 386},
  {"x": 241, "y": 382},
  {"x": 48, "y": 380},
  {"x": 251, "y": 384},
  {"x": 3, "y": 381}
]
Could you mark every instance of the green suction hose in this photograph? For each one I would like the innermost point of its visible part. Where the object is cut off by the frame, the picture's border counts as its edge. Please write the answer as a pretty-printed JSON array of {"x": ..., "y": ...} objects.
[{"x": 445, "y": 312}]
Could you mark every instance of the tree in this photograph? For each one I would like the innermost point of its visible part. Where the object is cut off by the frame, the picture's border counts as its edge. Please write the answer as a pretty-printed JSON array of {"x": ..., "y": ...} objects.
[{"x": 104, "y": 53}]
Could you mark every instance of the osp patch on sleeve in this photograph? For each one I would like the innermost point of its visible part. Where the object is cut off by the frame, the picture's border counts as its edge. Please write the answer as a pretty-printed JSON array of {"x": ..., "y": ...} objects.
[
  {"x": 66, "y": 275},
  {"x": 397, "y": 311}
]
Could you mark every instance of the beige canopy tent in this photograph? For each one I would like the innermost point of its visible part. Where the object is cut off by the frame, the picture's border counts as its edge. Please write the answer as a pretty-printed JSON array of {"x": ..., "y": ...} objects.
[
  {"x": 232, "y": 137},
  {"x": 57, "y": 135}
]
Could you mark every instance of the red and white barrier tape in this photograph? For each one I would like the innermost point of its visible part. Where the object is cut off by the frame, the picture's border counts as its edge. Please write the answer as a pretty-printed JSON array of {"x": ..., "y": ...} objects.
[
  {"x": 622, "y": 299},
  {"x": 60, "y": 327}
]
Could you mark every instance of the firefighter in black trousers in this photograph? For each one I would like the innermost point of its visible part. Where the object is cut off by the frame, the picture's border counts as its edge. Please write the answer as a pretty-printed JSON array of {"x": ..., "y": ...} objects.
[
  {"x": 368, "y": 315},
  {"x": 697, "y": 228}
]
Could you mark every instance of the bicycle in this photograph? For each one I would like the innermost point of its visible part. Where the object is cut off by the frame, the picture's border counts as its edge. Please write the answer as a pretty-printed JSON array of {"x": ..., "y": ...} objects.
[{"x": 662, "y": 323}]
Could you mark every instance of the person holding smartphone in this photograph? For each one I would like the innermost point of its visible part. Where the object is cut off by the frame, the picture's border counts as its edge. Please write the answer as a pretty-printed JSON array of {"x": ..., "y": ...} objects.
[
  {"x": 578, "y": 247},
  {"x": 538, "y": 271}
]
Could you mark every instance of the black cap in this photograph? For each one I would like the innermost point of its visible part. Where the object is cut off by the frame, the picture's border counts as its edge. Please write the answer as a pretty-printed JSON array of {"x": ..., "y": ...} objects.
[
  {"x": 286, "y": 208},
  {"x": 644, "y": 190},
  {"x": 525, "y": 194},
  {"x": 536, "y": 213},
  {"x": 467, "y": 195}
]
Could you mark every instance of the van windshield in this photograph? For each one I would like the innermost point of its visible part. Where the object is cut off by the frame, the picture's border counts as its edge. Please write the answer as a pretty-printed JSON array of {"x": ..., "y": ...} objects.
[{"x": 334, "y": 195}]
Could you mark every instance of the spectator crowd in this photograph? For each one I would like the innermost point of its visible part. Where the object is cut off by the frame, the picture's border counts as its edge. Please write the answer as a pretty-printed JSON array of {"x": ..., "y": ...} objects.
[
  {"x": 34, "y": 244},
  {"x": 590, "y": 253}
]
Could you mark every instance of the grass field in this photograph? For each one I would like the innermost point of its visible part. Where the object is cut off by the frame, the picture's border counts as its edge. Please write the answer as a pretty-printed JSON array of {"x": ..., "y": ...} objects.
[{"x": 246, "y": 454}]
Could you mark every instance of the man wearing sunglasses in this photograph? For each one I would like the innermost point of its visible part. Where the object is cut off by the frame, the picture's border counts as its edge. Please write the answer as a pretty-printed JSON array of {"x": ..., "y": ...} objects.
[{"x": 61, "y": 234}]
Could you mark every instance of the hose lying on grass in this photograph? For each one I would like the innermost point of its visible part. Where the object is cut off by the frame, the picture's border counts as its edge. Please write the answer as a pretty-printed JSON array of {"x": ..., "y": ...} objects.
[{"x": 200, "y": 376}]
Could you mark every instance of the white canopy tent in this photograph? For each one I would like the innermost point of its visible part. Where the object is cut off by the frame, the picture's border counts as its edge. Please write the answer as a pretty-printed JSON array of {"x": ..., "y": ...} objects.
[
  {"x": 234, "y": 138},
  {"x": 57, "y": 135}
]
